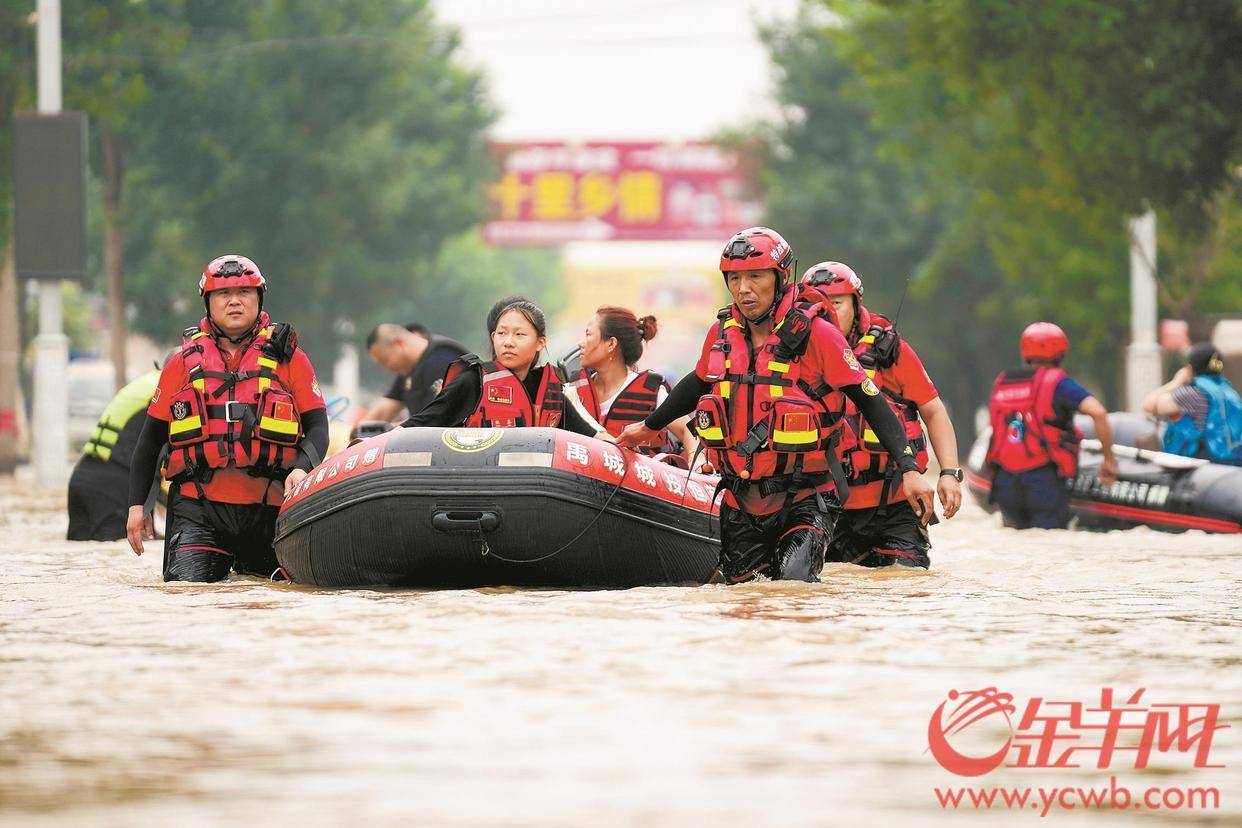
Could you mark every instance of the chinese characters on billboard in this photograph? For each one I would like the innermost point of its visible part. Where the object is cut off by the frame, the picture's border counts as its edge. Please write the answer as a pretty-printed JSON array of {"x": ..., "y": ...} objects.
[{"x": 551, "y": 193}]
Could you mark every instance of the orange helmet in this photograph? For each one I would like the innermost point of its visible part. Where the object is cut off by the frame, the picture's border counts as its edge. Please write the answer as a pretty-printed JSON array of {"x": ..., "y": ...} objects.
[
  {"x": 832, "y": 279},
  {"x": 230, "y": 271},
  {"x": 758, "y": 248},
  {"x": 1043, "y": 340}
]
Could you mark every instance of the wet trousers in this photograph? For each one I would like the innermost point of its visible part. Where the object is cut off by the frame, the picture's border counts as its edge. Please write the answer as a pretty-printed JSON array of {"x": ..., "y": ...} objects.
[
  {"x": 1032, "y": 500},
  {"x": 205, "y": 542},
  {"x": 881, "y": 537},
  {"x": 787, "y": 545}
]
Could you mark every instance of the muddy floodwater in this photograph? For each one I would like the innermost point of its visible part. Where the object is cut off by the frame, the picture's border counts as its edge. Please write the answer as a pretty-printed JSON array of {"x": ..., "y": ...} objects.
[{"x": 125, "y": 701}]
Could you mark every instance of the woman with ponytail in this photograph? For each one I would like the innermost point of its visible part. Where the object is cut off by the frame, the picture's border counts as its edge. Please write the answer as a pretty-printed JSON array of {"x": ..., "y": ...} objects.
[{"x": 612, "y": 390}]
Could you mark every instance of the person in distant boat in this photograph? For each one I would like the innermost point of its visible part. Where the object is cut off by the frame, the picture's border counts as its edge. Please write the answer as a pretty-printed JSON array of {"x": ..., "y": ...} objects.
[
  {"x": 1203, "y": 409},
  {"x": 510, "y": 390},
  {"x": 768, "y": 395},
  {"x": 613, "y": 391},
  {"x": 237, "y": 416},
  {"x": 1034, "y": 446},
  {"x": 419, "y": 359}
]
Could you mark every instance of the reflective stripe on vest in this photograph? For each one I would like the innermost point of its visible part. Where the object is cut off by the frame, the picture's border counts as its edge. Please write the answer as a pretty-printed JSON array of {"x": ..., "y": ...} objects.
[
  {"x": 128, "y": 403},
  {"x": 870, "y": 464},
  {"x": 762, "y": 420},
  {"x": 245, "y": 418}
]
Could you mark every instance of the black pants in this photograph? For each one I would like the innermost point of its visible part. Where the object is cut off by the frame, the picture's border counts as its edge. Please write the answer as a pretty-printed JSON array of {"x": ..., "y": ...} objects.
[
  {"x": 787, "y": 545},
  {"x": 871, "y": 537},
  {"x": 98, "y": 500},
  {"x": 1032, "y": 500},
  {"x": 205, "y": 541}
]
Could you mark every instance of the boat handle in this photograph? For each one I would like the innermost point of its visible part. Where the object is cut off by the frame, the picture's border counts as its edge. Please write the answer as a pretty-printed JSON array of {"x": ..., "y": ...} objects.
[{"x": 455, "y": 520}]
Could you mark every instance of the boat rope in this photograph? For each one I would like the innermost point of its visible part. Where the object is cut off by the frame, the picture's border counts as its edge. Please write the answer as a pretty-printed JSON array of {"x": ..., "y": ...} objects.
[{"x": 486, "y": 551}]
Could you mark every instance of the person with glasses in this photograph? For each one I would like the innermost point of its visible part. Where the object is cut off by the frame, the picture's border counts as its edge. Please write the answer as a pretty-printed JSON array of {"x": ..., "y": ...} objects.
[{"x": 767, "y": 397}]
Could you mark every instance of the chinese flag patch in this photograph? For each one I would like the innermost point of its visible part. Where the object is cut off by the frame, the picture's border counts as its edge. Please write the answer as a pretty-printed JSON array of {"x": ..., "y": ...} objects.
[
  {"x": 283, "y": 411},
  {"x": 797, "y": 422},
  {"x": 500, "y": 394}
]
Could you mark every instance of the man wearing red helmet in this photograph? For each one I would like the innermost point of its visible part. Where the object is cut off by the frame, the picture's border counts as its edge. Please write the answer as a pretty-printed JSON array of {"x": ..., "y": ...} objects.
[
  {"x": 1034, "y": 447},
  {"x": 767, "y": 394},
  {"x": 878, "y": 527},
  {"x": 237, "y": 415}
]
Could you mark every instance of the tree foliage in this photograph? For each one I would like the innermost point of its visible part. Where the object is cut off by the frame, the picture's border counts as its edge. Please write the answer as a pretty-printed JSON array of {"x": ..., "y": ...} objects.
[{"x": 990, "y": 153}]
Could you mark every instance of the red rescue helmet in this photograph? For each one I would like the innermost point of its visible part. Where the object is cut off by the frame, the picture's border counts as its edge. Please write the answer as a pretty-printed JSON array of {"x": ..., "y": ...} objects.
[
  {"x": 231, "y": 271},
  {"x": 758, "y": 248},
  {"x": 832, "y": 279},
  {"x": 1043, "y": 341}
]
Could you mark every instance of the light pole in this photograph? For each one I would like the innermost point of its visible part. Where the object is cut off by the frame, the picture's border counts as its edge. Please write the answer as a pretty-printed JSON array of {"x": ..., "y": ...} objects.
[
  {"x": 1143, "y": 352},
  {"x": 50, "y": 426}
]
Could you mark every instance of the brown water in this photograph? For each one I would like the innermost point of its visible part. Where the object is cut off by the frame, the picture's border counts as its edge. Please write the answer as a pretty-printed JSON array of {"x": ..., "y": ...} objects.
[{"x": 124, "y": 701}]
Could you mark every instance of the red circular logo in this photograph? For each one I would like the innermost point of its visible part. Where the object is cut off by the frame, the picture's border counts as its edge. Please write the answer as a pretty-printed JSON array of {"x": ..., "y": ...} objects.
[{"x": 961, "y": 711}]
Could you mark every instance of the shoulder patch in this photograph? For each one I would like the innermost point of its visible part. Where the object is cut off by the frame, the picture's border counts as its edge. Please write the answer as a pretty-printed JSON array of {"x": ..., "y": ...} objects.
[
  {"x": 850, "y": 359},
  {"x": 869, "y": 388}
]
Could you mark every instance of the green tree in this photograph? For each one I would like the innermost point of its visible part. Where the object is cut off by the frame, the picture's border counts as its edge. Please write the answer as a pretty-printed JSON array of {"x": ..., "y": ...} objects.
[
  {"x": 111, "y": 46},
  {"x": 958, "y": 141},
  {"x": 338, "y": 144}
]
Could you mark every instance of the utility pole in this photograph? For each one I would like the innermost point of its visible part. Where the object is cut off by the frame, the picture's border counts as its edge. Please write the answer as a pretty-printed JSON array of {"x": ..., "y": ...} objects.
[
  {"x": 1143, "y": 353},
  {"x": 50, "y": 423}
]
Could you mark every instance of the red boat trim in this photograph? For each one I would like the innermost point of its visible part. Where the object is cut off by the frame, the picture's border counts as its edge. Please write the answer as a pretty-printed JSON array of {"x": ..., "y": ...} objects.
[
  {"x": 1152, "y": 516},
  {"x": 1133, "y": 513}
]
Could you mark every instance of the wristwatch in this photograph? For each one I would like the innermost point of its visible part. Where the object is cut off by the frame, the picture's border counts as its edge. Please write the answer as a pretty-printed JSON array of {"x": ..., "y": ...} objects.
[{"x": 956, "y": 474}]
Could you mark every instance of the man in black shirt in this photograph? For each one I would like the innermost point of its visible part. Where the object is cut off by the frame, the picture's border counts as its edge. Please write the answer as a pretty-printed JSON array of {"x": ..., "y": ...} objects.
[{"x": 418, "y": 358}]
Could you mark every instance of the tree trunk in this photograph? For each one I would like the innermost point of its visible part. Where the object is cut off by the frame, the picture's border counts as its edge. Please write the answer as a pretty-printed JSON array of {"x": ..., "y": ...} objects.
[
  {"x": 114, "y": 252},
  {"x": 10, "y": 333}
]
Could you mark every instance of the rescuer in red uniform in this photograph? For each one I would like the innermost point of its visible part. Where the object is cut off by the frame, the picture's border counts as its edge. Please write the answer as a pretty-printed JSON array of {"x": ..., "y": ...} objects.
[
  {"x": 1034, "y": 447},
  {"x": 878, "y": 527},
  {"x": 237, "y": 416},
  {"x": 768, "y": 396}
]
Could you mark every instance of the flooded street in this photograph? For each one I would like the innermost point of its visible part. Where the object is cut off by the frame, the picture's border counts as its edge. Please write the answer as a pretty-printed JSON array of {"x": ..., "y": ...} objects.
[{"x": 124, "y": 701}]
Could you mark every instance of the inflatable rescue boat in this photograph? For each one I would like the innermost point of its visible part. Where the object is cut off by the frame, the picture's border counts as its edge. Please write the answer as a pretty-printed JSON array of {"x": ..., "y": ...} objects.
[
  {"x": 1163, "y": 491},
  {"x": 459, "y": 507}
]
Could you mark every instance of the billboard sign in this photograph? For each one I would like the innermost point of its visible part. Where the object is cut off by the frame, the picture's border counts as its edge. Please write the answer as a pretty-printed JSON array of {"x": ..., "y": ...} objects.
[{"x": 554, "y": 192}]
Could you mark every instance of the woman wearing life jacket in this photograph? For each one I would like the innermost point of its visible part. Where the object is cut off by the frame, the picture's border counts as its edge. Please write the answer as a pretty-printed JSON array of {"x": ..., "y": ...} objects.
[
  {"x": 878, "y": 527},
  {"x": 237, "y": 416},
  {"x": 1034, "y": 447},
  {"x": 510, "y": 390},
  {"x": 1203, "y": 409},
  {"x": 768, "y": 397},
  {"x": 612, "y": 390}
]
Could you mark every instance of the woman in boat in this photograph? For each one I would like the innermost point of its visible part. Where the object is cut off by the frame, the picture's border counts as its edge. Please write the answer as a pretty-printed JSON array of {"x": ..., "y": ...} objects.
[
  {"x": 613, "y": 391},
  {"x": 510, "y": 390}
]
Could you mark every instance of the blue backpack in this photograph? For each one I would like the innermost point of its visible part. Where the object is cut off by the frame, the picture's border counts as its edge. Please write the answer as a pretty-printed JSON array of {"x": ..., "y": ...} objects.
[{"x": 1221, "y": 438}]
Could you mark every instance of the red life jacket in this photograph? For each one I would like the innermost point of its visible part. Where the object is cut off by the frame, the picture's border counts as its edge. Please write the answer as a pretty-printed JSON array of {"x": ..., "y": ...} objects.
[
  {"x": 244, "y": 418},
  {"x": 503, "y": 401},
  {"x": 633, "y": 404},
  {"x": 1026, "y": 433},
  {"x": 871, "y": 469},
  {"x": 762, "y": 421}
]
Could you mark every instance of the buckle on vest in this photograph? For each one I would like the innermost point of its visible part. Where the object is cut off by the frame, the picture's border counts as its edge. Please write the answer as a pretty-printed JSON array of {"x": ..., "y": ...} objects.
[{"x": 229, "y": 415}]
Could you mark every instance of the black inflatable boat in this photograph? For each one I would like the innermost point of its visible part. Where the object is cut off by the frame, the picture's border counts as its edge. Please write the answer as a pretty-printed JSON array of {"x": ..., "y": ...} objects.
[
  {"x": 432, "y": 507},
  {"x": 1163, "y": 491}
]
